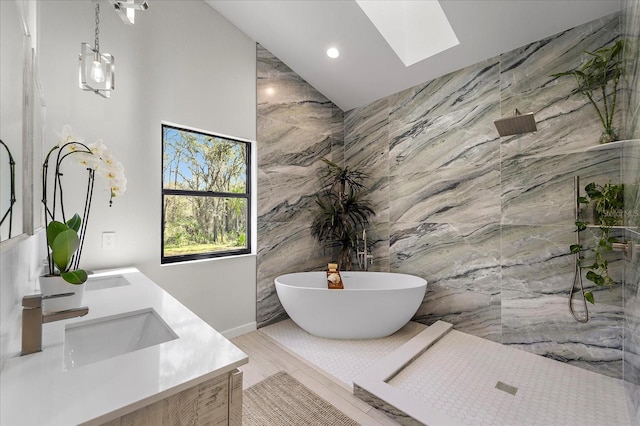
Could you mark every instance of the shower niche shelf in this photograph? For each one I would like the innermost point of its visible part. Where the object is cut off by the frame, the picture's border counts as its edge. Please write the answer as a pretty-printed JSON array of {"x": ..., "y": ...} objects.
[
  {"x": 596, "y": 226},
  {"x": 614, "y": 145}
]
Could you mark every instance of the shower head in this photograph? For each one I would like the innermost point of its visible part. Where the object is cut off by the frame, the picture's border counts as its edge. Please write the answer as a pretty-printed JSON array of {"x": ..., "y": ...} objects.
[{"x": 519, "y": 123}]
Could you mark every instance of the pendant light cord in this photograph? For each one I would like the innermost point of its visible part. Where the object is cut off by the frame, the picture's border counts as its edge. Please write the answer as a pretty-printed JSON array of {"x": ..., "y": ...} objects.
[{"x": 97, "y": 41}]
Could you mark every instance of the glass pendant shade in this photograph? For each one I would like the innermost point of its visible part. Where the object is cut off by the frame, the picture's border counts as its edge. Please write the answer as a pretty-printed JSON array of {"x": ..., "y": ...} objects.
[
  {"x": 96, "y": 71},
  {"x": 126, "y": 9}
]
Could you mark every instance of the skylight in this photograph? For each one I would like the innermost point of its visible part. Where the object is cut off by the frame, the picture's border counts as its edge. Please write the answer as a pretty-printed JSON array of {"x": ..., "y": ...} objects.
[{"x": 415, "y": 30}]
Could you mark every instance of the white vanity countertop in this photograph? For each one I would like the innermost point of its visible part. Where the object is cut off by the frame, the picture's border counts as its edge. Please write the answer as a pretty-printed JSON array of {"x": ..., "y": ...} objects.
[{"x": 36, "y": 390}]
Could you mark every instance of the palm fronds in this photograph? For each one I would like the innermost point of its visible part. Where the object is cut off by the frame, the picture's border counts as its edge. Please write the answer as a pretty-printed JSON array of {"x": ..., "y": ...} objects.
[{"x": 343, "y": 211}]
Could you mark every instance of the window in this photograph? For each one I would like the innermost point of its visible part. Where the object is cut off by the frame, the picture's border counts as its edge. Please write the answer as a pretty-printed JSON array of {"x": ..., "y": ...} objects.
[{"x": 206, "y": 197}]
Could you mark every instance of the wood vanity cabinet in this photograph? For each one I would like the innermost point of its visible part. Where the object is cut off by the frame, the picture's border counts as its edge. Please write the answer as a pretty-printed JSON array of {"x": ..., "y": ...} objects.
[{"x": 217, "y": 401}]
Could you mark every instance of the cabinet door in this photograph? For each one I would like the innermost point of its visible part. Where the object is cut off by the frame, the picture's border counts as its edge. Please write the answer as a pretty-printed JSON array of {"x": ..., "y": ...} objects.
[{"x": 217, "y": 401}]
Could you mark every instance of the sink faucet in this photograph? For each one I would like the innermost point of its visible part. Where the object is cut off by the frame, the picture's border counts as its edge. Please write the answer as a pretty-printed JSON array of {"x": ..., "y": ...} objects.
[{"x": 33, "y": 318}]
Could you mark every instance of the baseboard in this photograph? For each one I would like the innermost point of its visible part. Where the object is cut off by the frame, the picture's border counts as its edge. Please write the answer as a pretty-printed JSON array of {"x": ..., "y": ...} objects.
[{"x": 239, "y": 331}]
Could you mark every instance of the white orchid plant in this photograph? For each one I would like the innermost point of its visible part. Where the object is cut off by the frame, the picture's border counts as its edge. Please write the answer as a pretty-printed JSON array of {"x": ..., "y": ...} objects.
[{"x": 65, "y": 237}]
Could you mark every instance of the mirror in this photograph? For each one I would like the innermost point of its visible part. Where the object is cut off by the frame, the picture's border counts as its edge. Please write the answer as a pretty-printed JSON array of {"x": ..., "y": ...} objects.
[
  {"x": 35, "y": 214},
  {"x": 12, "y": 42},
  {"x": 22, "y": 115}
]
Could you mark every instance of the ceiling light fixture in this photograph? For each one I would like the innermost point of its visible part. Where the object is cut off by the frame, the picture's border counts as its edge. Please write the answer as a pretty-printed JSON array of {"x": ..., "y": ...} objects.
[
  {"x": 333, "y": 52},
  {"x": 96, "y": 72},
  {"x": 126, "y": 9}
]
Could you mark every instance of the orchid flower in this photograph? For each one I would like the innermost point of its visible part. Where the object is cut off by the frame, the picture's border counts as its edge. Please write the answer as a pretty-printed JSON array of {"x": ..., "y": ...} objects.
[{"x": 95, "y": 156}]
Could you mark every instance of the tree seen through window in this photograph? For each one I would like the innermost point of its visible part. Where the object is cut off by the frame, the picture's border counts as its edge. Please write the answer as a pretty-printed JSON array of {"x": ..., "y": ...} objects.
[{"x": 205, "y": 195}]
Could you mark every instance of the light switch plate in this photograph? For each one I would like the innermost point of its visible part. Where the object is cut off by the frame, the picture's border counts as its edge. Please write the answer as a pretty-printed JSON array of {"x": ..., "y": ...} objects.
[{"x": 108, "y": 240}]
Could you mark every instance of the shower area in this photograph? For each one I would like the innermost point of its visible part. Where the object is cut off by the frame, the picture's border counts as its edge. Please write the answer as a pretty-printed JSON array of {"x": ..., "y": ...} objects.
[
  {"x": 486, "y": 220},
  {"x": 489, "y": 220}
]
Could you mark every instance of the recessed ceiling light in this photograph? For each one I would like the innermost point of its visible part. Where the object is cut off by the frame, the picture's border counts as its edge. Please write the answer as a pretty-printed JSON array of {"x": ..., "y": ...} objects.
[{"x": 333, "y": 52}]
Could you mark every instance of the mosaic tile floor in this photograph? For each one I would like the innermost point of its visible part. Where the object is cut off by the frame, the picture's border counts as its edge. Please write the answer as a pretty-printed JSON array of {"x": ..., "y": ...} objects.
[
  {"x": 342, "y": 359},
  {"x": 458, "y": 376},
  {"x": 480, "y": 382}
]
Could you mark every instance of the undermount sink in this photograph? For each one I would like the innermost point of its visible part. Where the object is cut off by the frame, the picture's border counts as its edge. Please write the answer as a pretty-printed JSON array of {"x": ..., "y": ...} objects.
[
  {"x": 109, "y": 281},
  {"x": 96, "y": 340}
]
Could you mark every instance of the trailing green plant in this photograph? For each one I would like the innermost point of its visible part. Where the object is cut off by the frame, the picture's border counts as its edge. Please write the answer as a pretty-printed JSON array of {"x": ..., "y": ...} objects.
[
  {"x": 601, "y": 73},
  {"x": 343, "y": 212},
  {"x": 63, "y": 241},
  {"x": 608, "y": 206}
]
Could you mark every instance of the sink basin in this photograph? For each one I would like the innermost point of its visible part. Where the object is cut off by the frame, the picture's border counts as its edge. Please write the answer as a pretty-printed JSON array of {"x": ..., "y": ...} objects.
[
  {"x": 100, "y": 283},
  {"x": 96, "y": 340}
]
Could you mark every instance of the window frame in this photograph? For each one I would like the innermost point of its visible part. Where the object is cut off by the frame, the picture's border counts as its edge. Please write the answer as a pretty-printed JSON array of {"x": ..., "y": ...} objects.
[{"x": 247, "y": 195}]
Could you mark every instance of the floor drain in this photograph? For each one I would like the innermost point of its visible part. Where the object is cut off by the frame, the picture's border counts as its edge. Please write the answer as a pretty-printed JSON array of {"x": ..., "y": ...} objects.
[{"x": 506, "y": 388}]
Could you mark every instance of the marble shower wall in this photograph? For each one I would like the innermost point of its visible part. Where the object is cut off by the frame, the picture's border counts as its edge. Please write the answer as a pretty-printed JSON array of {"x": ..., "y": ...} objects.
[
  {"x": 297, "y": 126},
  {"x": 631, "y": 355},
  {"x": 488, "y": 220},
  {"x": 631, "y": 177}
]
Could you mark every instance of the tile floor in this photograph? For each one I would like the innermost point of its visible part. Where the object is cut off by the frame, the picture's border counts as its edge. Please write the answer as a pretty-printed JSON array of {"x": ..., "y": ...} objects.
[
  {"x": 342, "y": 359},
  {"x": 458, "y": 375}
]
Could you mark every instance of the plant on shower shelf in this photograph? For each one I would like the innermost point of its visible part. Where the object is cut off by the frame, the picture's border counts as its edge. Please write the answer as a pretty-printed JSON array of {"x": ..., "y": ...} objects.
[
  {"x": 343, "y": 212},
  {"x": 608, "y": 206},
  {"x": 601, "y": 73}
]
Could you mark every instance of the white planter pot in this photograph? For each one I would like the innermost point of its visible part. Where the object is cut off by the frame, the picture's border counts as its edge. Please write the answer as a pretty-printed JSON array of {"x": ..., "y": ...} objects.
[{"x": 52, "y": 285}]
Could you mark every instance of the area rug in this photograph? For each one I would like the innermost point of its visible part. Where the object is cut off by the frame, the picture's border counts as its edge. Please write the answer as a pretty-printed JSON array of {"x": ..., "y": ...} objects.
[{"x": 282, "y": 400}]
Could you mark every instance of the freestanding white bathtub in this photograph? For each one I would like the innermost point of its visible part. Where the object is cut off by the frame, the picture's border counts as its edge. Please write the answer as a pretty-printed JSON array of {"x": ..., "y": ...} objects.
[{"x": 372, "y": 304}]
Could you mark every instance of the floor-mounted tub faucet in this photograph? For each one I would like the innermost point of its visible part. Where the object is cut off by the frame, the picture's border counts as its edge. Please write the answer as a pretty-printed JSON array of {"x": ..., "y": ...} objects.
[
  {"x": 33, "y": 318},
  {"x": 364, "y": 257}
]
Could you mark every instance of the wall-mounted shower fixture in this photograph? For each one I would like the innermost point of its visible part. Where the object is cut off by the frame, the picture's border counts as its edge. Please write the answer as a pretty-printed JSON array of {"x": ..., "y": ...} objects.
[
  {"x": 577, "y": 271},
  {"x": 519, "y": 123},
  {"x": 627, "y": 248}
]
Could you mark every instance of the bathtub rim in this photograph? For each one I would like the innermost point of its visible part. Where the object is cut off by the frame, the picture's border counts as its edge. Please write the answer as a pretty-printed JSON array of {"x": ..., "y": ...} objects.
[{"x": 419, "y": 281}]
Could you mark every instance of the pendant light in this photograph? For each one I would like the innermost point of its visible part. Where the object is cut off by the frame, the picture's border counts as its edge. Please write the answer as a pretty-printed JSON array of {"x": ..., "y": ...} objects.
[
  {"x": 96, "y": 72},
  {"x": 126, "y": 9}
]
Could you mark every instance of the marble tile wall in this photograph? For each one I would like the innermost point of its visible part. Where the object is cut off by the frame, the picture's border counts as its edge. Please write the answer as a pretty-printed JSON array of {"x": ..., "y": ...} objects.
[
  {"x": 631, "y": 176},
  {"x": 488, "y": 220},
  {"x": 297, "y": 126},
  {"x": 631, "y": 355}
]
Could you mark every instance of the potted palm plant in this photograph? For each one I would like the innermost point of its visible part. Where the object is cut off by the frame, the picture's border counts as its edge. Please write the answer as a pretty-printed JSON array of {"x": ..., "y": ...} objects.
[
  {"x": 343, "y": 212},
  {"x": 599, "y": 77}
]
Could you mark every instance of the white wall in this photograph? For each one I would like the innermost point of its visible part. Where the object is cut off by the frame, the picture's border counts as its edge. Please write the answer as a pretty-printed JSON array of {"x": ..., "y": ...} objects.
[
  {"x": 181, "y": 62},
  {"x": 19, "y": 268}
]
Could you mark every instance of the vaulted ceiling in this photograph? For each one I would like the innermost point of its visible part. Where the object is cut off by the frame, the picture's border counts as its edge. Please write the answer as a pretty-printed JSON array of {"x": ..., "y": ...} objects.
[{"x": 299, "y": 32}]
